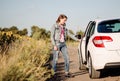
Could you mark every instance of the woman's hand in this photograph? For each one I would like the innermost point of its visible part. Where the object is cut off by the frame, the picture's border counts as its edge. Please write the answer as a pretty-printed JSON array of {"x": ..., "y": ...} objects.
[
  {"x": 78, "y": 40},
  {"x": 55, "y": 48}
]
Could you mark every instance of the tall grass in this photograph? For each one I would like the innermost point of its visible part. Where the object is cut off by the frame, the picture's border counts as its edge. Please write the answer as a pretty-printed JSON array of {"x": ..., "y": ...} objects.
[{"x": 25, "y": 61}]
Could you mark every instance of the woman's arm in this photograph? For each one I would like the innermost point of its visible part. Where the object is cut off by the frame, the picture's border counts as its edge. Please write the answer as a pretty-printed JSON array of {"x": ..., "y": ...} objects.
[
  {"x": 72, "y": 36},
  {"x": 53, "y": 35}
]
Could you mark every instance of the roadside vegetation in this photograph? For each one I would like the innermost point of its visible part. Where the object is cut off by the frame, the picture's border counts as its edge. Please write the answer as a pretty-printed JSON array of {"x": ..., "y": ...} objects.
[{"x": 23, "y": 57}]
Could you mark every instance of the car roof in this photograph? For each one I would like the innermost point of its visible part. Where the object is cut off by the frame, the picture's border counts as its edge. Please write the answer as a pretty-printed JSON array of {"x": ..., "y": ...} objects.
[{"x": 100, "y": 20}]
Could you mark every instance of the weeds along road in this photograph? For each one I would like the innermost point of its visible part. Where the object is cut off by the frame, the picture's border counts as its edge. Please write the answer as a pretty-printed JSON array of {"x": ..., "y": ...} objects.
[{"x": 81, "y": 75}]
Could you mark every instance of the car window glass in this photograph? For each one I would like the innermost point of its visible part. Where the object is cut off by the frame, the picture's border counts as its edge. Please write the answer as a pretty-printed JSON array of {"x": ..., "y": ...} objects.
[
  {"x": 111, "y": 26},
  {"x": 87, "y": 28},
  {"x": 91, "y": 29}
]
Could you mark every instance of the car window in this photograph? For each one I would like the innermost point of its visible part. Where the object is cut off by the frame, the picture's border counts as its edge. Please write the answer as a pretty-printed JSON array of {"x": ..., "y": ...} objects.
[
  {"x": 91, "y": 29},
  {"x": 85, "y": 33},
  {"x": 111, "y": 26}
]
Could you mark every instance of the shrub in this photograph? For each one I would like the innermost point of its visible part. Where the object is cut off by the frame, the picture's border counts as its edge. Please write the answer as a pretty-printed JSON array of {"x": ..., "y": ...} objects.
[{"x": 26, "y": 61}]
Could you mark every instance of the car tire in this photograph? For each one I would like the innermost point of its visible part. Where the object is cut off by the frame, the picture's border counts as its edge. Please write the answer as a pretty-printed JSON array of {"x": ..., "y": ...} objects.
[
  {"x": 81, "y": 65},
  {"x": 92, "y": 72}
]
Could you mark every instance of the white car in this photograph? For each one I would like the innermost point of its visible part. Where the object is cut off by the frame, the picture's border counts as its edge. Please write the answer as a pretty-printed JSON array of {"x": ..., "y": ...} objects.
[{"x": 100, "y": 46}]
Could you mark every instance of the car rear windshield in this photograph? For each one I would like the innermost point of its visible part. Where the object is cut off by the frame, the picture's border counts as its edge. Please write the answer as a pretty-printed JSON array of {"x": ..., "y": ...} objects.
[{"x": 110, "y": 26}]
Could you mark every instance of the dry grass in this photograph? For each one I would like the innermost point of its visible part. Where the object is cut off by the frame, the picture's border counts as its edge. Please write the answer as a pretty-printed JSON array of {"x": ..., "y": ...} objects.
[
  {"x": 25, "y": 61},
  {"x": 72, "y": 43}
]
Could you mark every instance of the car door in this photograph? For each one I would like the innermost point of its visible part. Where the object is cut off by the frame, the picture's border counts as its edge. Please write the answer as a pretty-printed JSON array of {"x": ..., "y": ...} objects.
[{"x": 84, "y": 41}]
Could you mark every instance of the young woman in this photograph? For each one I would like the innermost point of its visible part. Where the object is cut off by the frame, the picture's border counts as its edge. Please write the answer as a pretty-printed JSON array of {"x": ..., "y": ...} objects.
[{"x": 58, "y": 37}]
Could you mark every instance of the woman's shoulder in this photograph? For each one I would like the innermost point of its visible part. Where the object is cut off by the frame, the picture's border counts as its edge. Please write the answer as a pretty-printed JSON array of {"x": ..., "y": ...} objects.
[{"x": 55, "y": 25}]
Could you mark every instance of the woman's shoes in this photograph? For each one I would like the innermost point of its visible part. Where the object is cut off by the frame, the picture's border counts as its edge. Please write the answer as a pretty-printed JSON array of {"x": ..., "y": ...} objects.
[{"x": 69, "y": 75}]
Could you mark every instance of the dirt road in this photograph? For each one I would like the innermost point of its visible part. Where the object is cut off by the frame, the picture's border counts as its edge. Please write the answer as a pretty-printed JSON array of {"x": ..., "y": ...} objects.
[{"x": 81, "y": 75}]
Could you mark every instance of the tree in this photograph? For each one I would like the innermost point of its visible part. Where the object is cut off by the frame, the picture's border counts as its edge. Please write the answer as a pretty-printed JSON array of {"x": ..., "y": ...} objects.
[
  {"x": 43, "y": 33},
  {"x": 5, "y": 29},
  {"x": 34, "y": 29},
  {"x": 0, "y": 28},
  {"x": 14, "y": 29},
  {"x": 22, "y": 32},
  {"x": 39, "y": 33},
  {"x": 25, "y": 31},
  {"x": 48, "y": 34}
]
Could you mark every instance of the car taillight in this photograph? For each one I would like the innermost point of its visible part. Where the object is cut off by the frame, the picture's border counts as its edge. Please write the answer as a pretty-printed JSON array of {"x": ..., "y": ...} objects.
[{"x": 98, "y": 41}]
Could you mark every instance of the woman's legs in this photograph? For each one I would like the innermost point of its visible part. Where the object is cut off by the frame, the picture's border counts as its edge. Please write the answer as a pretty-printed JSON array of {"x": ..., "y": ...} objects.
[
  {"x": 66, "y": 57},
  {"x": 55, "y": 59},
  {"x": 63, "y": 49}
]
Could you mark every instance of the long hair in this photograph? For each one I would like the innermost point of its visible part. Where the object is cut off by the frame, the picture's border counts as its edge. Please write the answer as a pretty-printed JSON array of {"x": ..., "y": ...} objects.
[{"x": 61, "y": 16}]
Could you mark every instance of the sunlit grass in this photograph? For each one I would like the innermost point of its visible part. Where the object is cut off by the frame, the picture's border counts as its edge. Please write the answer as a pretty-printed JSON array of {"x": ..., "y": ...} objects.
[{"x": 25, "y": 61}]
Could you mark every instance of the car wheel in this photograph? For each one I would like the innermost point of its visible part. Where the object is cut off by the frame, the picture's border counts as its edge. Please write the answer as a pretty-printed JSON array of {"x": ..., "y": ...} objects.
[
  {"x": 92, "y": 72},
  {"x": 81, "y": 65}
]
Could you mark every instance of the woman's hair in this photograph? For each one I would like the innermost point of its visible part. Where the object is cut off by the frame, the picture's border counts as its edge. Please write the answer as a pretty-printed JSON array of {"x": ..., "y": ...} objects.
[{"x": 61, "y": 16}]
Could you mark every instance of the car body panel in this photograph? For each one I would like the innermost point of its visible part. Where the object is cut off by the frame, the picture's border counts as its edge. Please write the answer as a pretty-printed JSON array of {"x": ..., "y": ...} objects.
[{"x": 101, "y": 56}]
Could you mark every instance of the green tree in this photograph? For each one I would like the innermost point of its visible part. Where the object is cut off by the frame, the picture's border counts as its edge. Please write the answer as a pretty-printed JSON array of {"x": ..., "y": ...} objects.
[
  {"x": 43, "y": 33},
  {"x": 48, "y": 34},
  {"x": 36, "y": 35},
  {"x": 0, "y": 28},
  {"x": 14, "y": 29},
  {"x": 5, "y": 29},
  {"x": 39, "y": 33},
  {"x": 34, "y": 29},
  {"x": 24, "y": 32}
]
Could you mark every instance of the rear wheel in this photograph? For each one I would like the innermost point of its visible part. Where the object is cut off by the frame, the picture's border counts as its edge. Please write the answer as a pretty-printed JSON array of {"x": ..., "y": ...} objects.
[
  {"x": 81, "y": 65},
  {"x": 92, "y": 72}
]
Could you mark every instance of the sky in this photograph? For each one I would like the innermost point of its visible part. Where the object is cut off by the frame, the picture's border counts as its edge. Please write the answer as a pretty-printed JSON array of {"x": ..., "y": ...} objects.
[{"x": 43, "y": 13}]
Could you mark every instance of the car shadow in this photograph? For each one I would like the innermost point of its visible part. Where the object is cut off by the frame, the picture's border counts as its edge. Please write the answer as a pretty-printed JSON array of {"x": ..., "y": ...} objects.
[
  {"x": 81, "y": 72},
  {"x": 110, "y": 72}
]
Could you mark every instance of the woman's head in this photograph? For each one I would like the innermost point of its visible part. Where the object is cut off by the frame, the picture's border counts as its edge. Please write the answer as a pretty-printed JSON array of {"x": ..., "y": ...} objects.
[{"x": 62, "y": 19}]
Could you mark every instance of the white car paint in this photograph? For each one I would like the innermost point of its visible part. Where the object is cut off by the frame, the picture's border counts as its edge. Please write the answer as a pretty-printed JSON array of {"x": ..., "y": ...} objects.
[{"x": 101, "y": 55}]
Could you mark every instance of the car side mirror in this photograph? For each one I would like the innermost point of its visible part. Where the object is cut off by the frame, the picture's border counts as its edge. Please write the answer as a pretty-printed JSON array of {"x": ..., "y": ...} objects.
[{"x": 78, "y": 36}]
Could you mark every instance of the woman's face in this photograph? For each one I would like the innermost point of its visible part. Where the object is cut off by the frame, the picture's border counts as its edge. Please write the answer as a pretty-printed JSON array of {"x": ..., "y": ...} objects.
[{"x": 62, "y": 21}]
